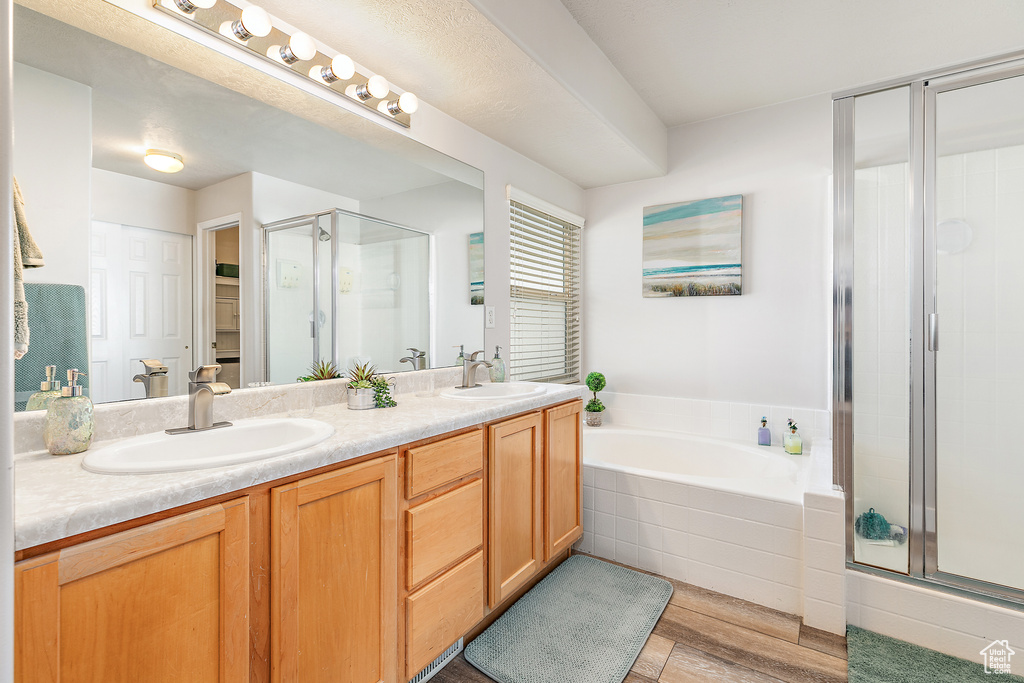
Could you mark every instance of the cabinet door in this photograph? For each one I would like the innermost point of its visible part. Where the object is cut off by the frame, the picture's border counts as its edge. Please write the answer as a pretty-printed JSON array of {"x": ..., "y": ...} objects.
[
  {"x": 334, "y": 576},
  {"x": 226, "y": 314},
  {"x": 167, "y": 602},
  {"x": 516, "y": 535},
  {"x": 562, "y": 491}
]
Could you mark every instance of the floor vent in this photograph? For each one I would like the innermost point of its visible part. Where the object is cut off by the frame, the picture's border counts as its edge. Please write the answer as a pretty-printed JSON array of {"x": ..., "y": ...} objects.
[{"x": 437, "y": 664}]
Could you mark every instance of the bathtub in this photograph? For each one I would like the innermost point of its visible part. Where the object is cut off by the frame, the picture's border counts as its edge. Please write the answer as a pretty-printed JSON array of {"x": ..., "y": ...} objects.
[{"x": 719, "y": 514}]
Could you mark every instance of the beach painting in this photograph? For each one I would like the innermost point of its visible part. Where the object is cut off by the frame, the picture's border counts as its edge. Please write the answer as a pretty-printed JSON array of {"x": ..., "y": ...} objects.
[
  {"x": 476, "y": 269},
  {"x": 693, "y": 248}
]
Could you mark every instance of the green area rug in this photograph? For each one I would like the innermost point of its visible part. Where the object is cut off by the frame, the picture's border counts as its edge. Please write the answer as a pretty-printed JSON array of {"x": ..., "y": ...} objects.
[
  {"x": 874, "y": 658},
  {"x": 585, "y": 622}
]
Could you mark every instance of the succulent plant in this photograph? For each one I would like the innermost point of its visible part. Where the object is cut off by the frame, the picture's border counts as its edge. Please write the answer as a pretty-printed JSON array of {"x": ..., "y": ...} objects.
[
  {"x": 321, "y": 369},
  {"x": 360, "y": 376},
  {"x": 382, "y": 392}
]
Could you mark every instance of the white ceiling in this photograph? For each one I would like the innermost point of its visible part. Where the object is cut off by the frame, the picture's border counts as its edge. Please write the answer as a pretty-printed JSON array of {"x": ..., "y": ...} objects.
[{"x": 692, "y": 60}]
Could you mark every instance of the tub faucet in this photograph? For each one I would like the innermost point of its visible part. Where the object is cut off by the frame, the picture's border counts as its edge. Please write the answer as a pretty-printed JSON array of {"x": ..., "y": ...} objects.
[
  {"x": 201, "y": 390},
  {"x": 418, "y": 359},
  {"x": 154, "y": 379},
  {"x": 469, "y": 366}
]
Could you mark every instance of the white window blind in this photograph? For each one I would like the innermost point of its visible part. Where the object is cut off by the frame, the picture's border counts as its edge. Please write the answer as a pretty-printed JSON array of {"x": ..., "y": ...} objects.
[{"x": 545, "y": 265}]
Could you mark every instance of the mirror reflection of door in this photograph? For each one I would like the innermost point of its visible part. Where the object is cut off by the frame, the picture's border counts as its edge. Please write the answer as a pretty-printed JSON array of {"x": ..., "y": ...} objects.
[
  {"x": 227, "y": 315},
  {"x": 141, "y": 307}
]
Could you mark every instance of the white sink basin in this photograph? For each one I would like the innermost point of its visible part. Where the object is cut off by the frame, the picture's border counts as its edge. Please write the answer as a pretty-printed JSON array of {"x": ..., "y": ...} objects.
[
  {"x": 490, "y": 392},
  {"x": 244, "y": 441}
]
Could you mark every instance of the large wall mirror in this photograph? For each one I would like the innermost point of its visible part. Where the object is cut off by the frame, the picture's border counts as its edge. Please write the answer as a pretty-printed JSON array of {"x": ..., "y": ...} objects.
[{"x": 280, "y": 243}]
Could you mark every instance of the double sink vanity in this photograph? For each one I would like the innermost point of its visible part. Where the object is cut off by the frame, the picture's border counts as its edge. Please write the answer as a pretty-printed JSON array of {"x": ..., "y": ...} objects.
[{"x": 359, "y": 558}]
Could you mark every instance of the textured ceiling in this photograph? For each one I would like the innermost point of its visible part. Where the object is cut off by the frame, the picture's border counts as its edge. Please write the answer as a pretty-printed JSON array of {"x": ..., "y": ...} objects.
[
  {"x": 692, "y": 60},
  {"x": 452, "y": 57}
]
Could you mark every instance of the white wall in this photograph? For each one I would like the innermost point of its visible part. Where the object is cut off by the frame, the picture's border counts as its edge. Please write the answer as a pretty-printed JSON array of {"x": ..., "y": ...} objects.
[
  {"x": 53, "y": 164},
  {"x": 768, "y": 345},
  {"x": 450, "y": 212},
  {"x": 124, "y": 199}
]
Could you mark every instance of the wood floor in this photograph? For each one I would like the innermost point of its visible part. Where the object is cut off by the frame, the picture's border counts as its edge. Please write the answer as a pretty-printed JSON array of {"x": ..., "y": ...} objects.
[{"x": 707, "y": 636}]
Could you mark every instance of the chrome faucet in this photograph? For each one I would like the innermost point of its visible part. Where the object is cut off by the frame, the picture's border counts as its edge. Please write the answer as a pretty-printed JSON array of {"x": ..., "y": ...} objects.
[
  {"x": 201, "y": 390},
  {"x": 469, "y": 366},
  {"x": 154, "y": 379},
  {"x": 418, "y": 359}
]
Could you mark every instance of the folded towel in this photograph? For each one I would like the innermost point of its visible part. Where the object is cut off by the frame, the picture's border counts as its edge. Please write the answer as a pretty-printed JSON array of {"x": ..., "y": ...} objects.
[{"x": 26, "y": 255}]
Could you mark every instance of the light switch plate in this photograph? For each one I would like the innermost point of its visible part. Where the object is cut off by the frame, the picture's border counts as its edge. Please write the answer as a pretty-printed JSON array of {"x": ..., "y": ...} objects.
[{"x": 489, "y": 317}]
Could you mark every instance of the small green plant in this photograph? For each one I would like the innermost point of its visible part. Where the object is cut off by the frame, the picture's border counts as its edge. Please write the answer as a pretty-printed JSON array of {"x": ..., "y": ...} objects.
[
  {"x": 360, "y": 376},
  {"x": 382, "y": 392},
  {"x": 595, "y": 382},
  {"x": 321, "y": 369}
]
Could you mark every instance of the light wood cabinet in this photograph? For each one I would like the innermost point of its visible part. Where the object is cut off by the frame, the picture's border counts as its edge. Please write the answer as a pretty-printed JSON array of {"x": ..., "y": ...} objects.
[
  {"x": 562, "y": 469},
  {"x": 334, "y": 576},
  {"x": 443, "y": 530},
  {"x": 164, "y": 602},
  {"x": 515, "y": 531}
]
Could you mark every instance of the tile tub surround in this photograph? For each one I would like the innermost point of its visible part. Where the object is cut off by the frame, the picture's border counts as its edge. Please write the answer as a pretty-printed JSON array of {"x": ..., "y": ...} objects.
[
  {"x": 934, "y": 619},
  {"x": 55, "y": 498},
  {"x": 720, "y": 419}
]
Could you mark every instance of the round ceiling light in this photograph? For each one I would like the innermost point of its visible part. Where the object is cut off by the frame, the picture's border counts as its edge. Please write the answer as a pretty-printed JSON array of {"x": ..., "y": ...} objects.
[{"x": 165, "y": 162}]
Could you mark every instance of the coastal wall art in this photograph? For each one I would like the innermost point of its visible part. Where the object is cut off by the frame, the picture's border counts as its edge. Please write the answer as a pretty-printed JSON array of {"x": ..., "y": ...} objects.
[
  {"x": 693, "y": 248},
  {"x": 476, "y": 268}
]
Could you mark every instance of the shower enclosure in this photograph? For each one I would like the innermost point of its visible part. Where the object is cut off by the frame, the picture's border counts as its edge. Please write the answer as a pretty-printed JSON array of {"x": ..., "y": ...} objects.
[
  {"x": 343, "y": 287},
  {"x": 929, "y": 323}
]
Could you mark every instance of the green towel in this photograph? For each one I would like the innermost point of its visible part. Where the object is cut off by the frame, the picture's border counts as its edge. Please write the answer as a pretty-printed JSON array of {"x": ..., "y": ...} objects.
[
  {"x": 26, "y": 255},
  {"x": 57, "y": 315}
]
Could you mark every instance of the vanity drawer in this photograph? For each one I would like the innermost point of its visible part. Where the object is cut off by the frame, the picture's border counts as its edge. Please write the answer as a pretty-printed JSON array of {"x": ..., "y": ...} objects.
[
  {"x": 442, "y": 612},
  {"x": 442, "y": 462},
  {"x": 443, "y": 530}
]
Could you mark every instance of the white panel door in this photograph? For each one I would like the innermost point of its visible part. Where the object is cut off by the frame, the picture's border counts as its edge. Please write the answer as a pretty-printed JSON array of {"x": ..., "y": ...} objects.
[{"x": 145, "y": 305}]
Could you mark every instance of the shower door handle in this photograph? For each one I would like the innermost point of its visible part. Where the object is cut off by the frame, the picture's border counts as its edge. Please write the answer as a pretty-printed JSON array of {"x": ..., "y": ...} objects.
[{"x": 933, "y": 331}]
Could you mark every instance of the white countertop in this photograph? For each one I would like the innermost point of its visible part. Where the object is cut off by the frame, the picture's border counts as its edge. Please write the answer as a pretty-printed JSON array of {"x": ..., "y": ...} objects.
[{"x": 55, "y": 498}]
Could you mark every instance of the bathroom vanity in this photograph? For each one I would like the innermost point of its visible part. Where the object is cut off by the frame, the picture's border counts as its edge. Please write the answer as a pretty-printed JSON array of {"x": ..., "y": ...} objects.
[{"x": 364, "y": 569}]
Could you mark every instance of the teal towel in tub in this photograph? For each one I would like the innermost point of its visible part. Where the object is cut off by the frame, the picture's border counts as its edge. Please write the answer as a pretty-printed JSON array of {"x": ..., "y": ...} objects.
[{"x": 56, "y": 316}]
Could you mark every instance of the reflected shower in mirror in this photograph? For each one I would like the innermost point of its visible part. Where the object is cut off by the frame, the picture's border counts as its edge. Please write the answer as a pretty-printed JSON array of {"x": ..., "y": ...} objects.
[{"x": 143, "y": 269}]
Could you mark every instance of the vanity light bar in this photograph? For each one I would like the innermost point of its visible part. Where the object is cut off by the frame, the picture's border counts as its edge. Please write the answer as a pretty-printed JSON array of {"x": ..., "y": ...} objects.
[{"x": 253, "y": 30}]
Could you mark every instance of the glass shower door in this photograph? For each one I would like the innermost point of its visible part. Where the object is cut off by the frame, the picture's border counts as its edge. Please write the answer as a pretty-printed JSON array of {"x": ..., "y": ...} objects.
[
  {"x": 976, "y": 320},
  {"x": 291, "y": 321}
]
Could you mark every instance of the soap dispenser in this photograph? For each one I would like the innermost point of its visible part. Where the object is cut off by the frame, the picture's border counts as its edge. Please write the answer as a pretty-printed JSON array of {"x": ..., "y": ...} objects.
[
  {"x": 69, "y": 420},
  {"x": 792, "y": 442},
  {"x": 48, "y": 390},
  {"x": 497, "y": 369},
  {"x": 764, "y": 435},
  {"x": 462, "y": 355}
]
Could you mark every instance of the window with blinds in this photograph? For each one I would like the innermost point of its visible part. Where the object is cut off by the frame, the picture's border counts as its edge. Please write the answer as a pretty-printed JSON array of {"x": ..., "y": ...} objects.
[{"x": 545, "y": 261}]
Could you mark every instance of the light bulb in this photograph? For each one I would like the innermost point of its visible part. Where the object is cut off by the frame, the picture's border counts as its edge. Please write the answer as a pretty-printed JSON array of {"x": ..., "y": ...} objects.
[
  {"x": 300, "y": 48},
  {"x": 254, "y": 22},
  {"x": 406, "y": 103},
  {"x": 342, "y": 68},
  {"x": 190, "y": 6},
  {"x": 165, "y": 162},
  {"x": 378, "y": 87}
]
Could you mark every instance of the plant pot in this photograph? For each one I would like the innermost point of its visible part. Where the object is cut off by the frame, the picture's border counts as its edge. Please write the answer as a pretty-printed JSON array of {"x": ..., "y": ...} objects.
[
  {"x": 360, "y": 399},
  {"x": 594, "y": 419}
]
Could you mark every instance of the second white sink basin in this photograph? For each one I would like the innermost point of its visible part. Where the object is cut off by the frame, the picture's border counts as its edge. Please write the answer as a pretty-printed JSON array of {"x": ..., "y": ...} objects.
[
  {"x": 244, "y": 441},
  {"x": 490, "y": 392}
]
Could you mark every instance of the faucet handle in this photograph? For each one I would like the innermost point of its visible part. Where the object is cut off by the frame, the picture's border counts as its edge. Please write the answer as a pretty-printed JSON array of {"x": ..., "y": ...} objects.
[
  {"x": 204, "y": 374},
  {"x": 153, "y": 366},
  {"x": 417, "y": 353},
  {"x": 473, "y": 355}
]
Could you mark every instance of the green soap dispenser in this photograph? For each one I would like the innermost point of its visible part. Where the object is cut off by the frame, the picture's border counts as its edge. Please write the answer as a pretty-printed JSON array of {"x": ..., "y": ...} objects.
[
  {"x": 497, "y": 369},
  {"x": 49, "y": 389},
  {"x": 462, "y": 355},
  {"x": 69, "y": 420}
]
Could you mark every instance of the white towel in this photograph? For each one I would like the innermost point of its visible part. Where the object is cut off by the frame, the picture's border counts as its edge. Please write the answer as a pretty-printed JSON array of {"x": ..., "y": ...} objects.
[{"x": 26, "y": 255}]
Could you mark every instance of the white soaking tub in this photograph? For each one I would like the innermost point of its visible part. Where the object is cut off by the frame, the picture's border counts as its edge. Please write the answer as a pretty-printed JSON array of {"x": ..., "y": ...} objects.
[{"x": 716, "y": 513}]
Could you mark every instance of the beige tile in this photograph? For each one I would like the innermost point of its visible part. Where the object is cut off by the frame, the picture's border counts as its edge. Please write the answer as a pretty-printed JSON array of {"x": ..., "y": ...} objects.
[
  {"x": 687, "y": 665},
  {"x": 653, "y": 657},
  {"x": 772, "y": 656},
  {"x": 735, "y": 611},
  {"x": 823, "y": 641}
]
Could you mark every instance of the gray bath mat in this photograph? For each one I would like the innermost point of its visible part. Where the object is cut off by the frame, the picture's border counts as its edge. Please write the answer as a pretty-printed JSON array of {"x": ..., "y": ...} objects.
[{"x": 586, "y": 622}]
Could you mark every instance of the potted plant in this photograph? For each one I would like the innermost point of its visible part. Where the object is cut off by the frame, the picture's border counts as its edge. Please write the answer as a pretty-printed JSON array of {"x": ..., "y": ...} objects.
[
  {"x": 321, "y": 369},
  {"x": 360, "y": 386},
  {"x": 595, "y": 382}
]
